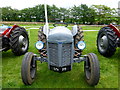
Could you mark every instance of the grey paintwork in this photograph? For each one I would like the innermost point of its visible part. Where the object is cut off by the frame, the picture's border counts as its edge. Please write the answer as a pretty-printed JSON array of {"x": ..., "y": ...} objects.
[
  {"x": 60, "y": 47},
  {"x": 60, "y": 34}
]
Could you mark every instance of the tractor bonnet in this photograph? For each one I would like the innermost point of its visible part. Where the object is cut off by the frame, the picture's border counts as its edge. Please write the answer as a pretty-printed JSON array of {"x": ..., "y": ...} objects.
[{"x": 60, "y": 34}]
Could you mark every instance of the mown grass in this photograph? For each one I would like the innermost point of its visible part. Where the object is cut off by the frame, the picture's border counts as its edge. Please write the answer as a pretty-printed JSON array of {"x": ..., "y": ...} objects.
[
  {"x": 91, "y": 27},
  {"x": 11, "y": 69}
]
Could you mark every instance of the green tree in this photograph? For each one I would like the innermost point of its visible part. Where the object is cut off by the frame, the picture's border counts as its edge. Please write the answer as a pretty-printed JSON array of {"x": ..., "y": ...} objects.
[
  {"x": 83, "y": 14},
  {"x": 53, "y": 13},
  {"x": 105, "y": 14},
  {"x": 9, "y": 14}
]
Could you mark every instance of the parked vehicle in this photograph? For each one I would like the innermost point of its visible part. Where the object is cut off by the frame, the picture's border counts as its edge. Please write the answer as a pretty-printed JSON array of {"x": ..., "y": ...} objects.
[
  {"x": 14, "y": 38},
  {"x": 108, "y": 40},
  {"x": 60, "y": 48}
]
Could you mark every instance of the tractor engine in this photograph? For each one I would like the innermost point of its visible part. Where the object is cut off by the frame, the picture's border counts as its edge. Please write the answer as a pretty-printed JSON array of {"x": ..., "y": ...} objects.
[{"x": 60, "y": 48}]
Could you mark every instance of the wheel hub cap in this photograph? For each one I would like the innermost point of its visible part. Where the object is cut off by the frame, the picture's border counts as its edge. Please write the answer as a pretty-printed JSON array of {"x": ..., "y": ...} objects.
[
  {"x": 103, "y": 43},
  {"x": 23, "y": 42}
]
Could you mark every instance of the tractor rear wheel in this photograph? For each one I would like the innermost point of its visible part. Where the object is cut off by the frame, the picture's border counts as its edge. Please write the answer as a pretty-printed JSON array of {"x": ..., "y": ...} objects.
[
  {"x": 106, "y": 42},
  {"x": 92, "y": 69},
  {"x": 19, "y": 41},
  {"x": 79, "y": 36},
  {"x": 42, "y": 37},
  {"x": 28, "y": 69}
]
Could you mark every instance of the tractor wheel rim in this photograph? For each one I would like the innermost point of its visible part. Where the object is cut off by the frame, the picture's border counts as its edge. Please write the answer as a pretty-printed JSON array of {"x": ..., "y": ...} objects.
[
  {"x": 32, "y": 69},
  {"x": 32, "y": 72},
  {"x": 103, "y": 43},
  {"x": 88, "y": 72},
  {"x": 23, "y": 42}
]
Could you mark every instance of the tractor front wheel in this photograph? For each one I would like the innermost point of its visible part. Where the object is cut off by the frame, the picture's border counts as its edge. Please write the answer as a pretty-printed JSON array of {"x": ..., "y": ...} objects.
[
  {"x": 28, "y": 69},
  {"x": 91, "y": 69}
]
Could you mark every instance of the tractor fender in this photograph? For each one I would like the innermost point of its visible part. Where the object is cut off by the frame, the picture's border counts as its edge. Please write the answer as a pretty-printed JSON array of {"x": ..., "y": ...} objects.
[
  {"x": 4, "y": 29},
  {"x": 116, "y": 30},
  {"x": 74, "y": 30},
  {"x": 9, "y": 32}
]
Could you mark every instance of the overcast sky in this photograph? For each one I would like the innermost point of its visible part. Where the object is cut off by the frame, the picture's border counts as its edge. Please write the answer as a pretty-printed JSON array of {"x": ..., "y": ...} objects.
[{"x": 20, "y": 4}]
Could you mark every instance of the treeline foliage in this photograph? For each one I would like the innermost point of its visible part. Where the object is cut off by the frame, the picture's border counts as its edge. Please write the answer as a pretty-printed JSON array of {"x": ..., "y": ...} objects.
[{"x": 82, "y": 14}]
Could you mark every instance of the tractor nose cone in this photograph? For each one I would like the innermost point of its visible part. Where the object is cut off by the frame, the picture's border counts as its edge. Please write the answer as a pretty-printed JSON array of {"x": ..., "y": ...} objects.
[{"x": 60, "y": 34}]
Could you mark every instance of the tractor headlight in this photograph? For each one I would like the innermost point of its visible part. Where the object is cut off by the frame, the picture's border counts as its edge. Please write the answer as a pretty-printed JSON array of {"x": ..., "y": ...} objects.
[
  {"x": 81, "y": 45},
  {"x": 39, "y": 45}
]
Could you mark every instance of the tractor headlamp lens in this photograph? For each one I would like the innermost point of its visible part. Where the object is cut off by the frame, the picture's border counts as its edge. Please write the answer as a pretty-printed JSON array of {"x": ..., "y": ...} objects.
[
  {"x": 81, "y": 45},
  {"x": 39, "y": 45}
]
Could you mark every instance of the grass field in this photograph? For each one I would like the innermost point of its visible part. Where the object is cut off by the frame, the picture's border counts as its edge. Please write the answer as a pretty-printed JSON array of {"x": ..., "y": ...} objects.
[{"x": 11, "y": 68}]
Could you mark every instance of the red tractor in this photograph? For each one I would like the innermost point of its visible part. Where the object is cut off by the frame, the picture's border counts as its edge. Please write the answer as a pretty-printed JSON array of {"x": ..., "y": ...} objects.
[
  {"x": 108, "y": 40},
  {"x": 14, "y": 38}
]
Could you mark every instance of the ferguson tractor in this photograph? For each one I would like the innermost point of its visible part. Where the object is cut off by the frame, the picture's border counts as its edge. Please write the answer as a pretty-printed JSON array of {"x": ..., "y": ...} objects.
[
  {"x": 14, "y": 38},
  {"x": 108, "y": 40},
  {"x": 60, "y": 48}
]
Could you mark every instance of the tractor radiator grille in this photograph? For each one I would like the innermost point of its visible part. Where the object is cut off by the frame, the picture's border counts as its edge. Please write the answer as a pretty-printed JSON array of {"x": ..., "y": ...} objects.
[{"x": 60, "y": 55}]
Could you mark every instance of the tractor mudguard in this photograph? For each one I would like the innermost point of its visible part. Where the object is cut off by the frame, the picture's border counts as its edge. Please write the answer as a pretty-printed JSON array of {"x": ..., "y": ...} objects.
[
  {"x": 6, "y": 30},
  {"x": 115, "y": 30},
  {"x": 13, "y": 27}
]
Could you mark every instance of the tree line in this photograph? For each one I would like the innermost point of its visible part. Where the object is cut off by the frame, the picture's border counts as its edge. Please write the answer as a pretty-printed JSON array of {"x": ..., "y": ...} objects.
[{"x": 82, "y": 14}]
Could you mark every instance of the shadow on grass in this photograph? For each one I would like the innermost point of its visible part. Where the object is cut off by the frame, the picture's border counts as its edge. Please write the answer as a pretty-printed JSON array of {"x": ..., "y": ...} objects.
[
  {"x": 46, "y": 78},
  {"x": 117, "y": 54},
  {"x": 7, "y": 55}
]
